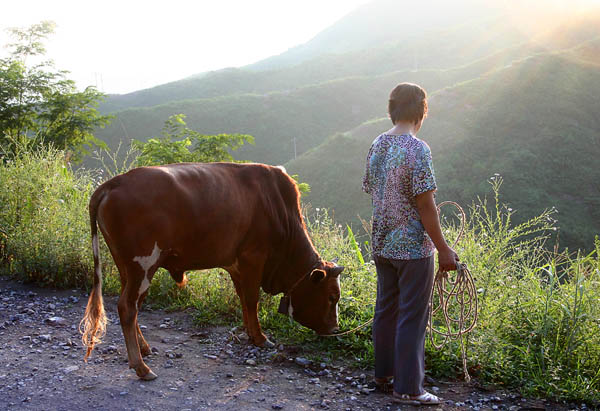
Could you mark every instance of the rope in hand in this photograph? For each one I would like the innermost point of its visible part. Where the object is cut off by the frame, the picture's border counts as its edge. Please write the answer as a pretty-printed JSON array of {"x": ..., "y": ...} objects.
[{"x": 460, "y": 289}]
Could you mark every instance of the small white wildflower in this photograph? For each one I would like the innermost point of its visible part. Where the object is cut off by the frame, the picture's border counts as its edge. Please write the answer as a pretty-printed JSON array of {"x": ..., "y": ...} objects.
[{"x": 318, "y": 209}]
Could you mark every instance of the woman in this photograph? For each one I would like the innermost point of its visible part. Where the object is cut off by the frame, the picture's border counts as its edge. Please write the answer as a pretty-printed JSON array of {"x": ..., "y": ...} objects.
[{"x": 406, "y": 232}]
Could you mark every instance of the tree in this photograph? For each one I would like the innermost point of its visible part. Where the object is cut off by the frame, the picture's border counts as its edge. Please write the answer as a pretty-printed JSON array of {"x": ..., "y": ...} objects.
[
  {"x": 180, "y": 144},
  {"x": 39, "y": 102}
]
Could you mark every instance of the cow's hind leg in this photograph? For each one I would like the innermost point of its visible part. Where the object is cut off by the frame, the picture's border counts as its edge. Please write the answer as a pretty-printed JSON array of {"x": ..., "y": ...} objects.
[
  {"x": 179, "y": 277},
  {"x": 136, "y": 286},
  {"x": 144, "y": 347}
]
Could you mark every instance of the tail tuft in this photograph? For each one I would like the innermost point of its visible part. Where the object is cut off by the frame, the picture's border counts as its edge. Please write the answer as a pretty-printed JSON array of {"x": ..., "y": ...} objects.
[{"x": 93, "y": 324}]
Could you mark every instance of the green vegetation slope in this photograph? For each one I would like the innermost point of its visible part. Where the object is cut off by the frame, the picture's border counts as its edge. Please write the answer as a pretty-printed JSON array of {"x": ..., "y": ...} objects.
[
  {"x": 307, "y": 114},
  {"x": 534, "y": 122}
]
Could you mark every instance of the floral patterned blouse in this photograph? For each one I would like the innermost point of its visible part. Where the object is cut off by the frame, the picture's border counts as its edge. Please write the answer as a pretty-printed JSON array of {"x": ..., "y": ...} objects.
[{"x": 398, "y": 169}]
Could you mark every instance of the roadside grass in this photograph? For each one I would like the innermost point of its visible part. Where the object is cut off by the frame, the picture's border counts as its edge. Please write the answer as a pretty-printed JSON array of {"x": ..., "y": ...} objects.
[
  {"x": 539, "y": 318},
  {"x": 44, "y": 219}
]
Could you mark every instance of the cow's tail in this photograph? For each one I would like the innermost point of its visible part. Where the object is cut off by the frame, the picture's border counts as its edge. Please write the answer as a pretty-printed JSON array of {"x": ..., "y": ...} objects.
[{"x": 93, "y": 324}]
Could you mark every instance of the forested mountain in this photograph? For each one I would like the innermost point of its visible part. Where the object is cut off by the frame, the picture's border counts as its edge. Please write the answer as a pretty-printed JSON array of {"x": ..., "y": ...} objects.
[
  {"x": 307, "y": 114},
  {"x": 304, "y": 115},
  {"x": 534, "y": 122},
  {"x": 508, "y": 91}
]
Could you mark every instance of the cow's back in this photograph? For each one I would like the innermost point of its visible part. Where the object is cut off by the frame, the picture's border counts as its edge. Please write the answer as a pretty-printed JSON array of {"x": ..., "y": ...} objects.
[{"x": 200, "y": 215}]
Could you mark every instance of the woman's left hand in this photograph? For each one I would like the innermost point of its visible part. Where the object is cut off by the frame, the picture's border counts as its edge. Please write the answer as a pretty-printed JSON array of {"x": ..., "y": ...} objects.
[{"x": 447, "y": 259}]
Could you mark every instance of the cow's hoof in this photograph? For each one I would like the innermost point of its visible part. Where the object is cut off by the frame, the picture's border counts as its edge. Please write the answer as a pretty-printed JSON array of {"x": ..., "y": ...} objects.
[
  {"x": 149, "y": 377},
  {"x": 262, "y": 342}
]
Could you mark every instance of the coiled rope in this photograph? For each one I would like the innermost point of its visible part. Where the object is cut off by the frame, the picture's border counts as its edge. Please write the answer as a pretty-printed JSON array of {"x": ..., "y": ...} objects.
[{"x": 457, "y": 288}]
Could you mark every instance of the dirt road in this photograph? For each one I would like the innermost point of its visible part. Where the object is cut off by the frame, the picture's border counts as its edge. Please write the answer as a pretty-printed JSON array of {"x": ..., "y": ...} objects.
[{"x": 42, "y": 368}]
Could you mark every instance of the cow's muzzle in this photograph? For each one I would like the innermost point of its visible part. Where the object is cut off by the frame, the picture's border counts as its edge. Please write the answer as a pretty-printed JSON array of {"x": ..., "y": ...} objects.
[{"x": 329, "y": 331}]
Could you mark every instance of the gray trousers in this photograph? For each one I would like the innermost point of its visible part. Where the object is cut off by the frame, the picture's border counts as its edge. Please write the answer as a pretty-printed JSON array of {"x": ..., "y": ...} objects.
[{"x": 400, "y": 322}]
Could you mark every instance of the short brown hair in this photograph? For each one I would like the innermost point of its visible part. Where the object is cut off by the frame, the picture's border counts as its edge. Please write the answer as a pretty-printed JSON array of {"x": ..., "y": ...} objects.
[{"x": 408, "y": 103}]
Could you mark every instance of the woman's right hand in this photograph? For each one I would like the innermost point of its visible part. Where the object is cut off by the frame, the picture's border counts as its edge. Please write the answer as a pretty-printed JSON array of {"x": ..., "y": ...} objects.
[{"x": 447, "y": 259}]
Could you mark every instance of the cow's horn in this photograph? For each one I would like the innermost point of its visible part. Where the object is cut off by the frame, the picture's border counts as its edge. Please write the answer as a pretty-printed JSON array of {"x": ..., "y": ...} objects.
[{"x": 337, "y": 270}]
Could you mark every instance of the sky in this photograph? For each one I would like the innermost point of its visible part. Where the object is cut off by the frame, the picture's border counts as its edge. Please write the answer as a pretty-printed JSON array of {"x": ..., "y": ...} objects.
[{"x": 127, "y": 45}]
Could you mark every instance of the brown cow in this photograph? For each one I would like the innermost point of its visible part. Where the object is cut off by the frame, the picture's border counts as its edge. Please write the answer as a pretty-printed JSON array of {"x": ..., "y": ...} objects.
[{"x": 244, "y": 218}]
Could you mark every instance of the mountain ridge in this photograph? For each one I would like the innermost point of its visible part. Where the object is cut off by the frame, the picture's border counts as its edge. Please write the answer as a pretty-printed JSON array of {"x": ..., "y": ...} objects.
[{"x": 470, "y": 135}]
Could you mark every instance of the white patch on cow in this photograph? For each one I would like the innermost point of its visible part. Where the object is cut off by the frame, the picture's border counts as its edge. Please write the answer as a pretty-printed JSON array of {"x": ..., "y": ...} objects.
[
  {"x": 144, "y": 286},
  {"x": 146, "y": 262},
  {"x": 95, "y": 245},
  {"x": 282, "y": 168}
]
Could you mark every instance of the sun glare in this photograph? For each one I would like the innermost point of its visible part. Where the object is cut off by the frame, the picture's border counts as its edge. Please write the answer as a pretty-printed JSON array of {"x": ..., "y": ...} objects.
[{"x": 545, "y": 24}]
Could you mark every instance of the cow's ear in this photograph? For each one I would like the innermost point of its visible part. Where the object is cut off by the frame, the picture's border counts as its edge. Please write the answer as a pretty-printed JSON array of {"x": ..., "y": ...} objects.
[
  {"x": 336, "y": 271},
  {"x": 317, "y": 275}
]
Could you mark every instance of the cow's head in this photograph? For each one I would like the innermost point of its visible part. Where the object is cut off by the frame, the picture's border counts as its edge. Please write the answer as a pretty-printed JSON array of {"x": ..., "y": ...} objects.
[{"x": 314, "y": 302}]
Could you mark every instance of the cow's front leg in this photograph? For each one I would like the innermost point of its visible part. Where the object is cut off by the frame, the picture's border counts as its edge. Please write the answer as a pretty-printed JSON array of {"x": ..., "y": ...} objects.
[
  {"x": 253, "y": 328},
  {"x": 240, "y": 292},
  {"x": 250, "y": 270}
]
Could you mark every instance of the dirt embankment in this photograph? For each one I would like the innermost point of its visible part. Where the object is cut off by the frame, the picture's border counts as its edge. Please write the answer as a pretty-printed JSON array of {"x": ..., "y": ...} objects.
[{"x": 42, "y": 367}]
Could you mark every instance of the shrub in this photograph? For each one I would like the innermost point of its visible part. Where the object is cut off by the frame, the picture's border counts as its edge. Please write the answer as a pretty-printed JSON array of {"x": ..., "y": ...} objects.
[
  {"x": 538, "y": 328},
  {"x": 44, "y": 217}
]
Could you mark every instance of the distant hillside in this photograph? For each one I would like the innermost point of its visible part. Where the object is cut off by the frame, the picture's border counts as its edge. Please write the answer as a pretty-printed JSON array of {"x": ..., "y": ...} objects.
[
  {"x": 381, "y": 22},
  {"x": 275, "y": 119},
  {"x": 535, "y": 122},
  {"x": 307, "y": 114},
  {"x": 403, "y": 49},
  {"x": 378, "y": 38}
]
